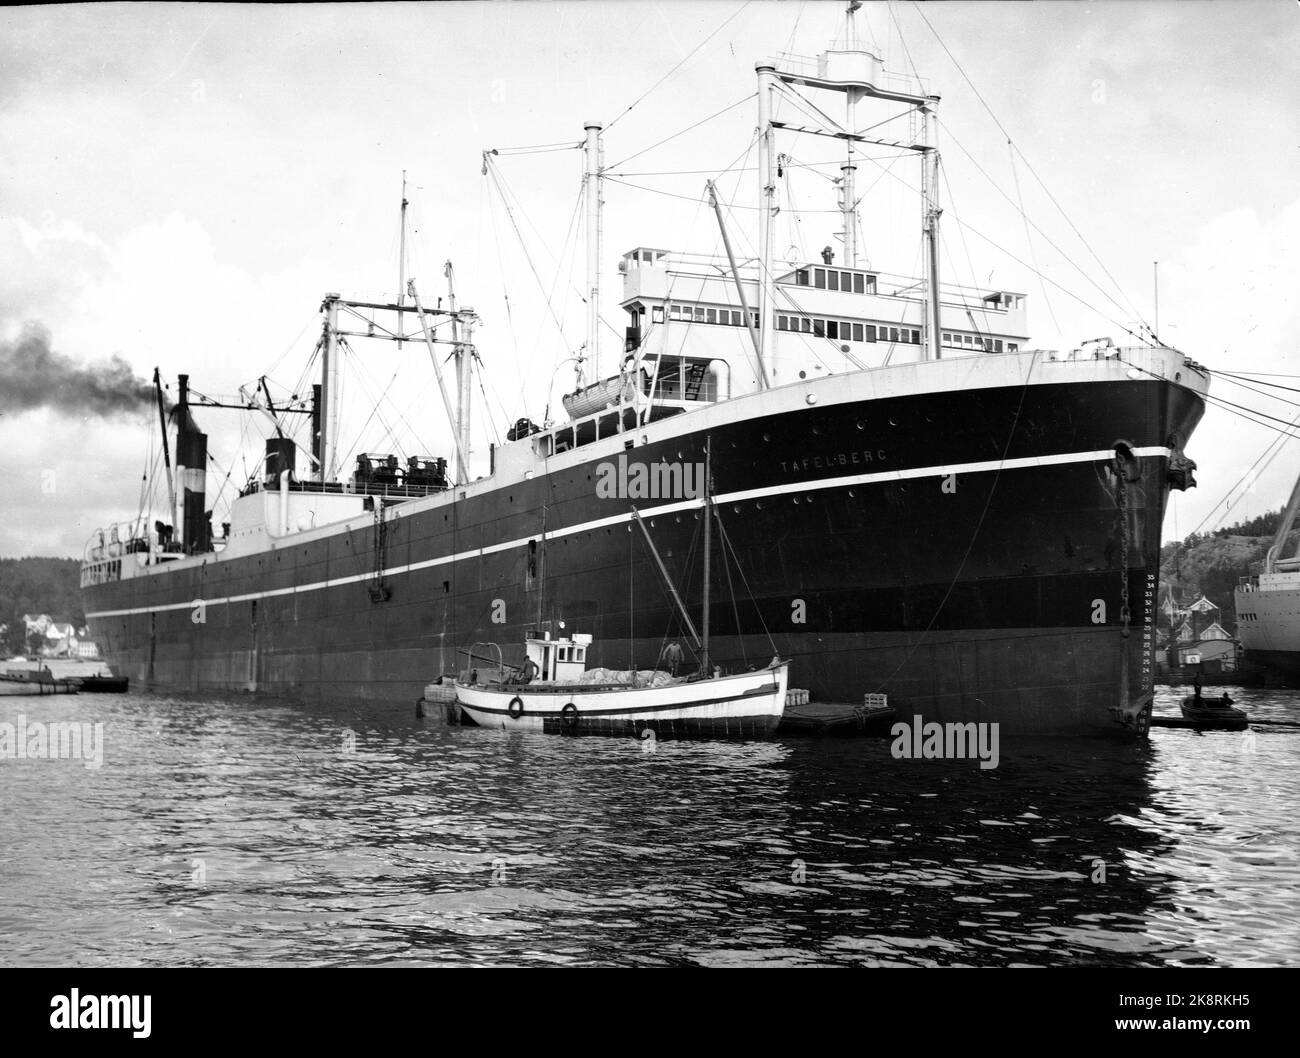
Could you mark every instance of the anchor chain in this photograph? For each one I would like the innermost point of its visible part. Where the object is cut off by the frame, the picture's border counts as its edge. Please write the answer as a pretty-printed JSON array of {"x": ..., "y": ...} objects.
[{"x": 1136, "y": 715}]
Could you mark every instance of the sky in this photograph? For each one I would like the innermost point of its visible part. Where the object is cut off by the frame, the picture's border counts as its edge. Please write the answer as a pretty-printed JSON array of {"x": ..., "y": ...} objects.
[{"x": 179, "y": 185}]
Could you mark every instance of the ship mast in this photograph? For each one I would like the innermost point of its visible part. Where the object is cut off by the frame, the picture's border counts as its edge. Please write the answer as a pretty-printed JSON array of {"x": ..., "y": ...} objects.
[
  {"x": 462, "y": 353},
  {"x": 857, "y": 73},
  {"x": 767, "y": 201},
  {"x": 401, "y": 267},
  {"x": 593, "y": 162},
  {"x": 848, "y": 204},
  {"x": 329, "y": 441},
  {"x": 930, "y": 199}
]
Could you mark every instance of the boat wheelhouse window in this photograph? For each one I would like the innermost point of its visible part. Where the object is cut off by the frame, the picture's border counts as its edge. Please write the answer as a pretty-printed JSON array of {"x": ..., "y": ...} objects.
[
  {"x": 819, "y": 328},
  {"x": 805, "y": 325},
  {"x": 997, "y": 345},
  {"x": 832, "y": 280},
  {"x": 1012, "y": 347},
  {"x": 819, "y": 278},
  {"x": 801, "y": 277},
  {"x": 859, "y": 284},
  {"x": 657, "y": 314},
  {"x": 832, "y": 329},
  {"x": 783, "y": 323},
  {"x": 711, "y": 315},
  {"x": 735, "y": 318},
  {"x": 857, "y": 332},
  {"x": 699, "y": 313},
  {"x": 893, "y": 334},
  {"x": 677, "y": 312}
]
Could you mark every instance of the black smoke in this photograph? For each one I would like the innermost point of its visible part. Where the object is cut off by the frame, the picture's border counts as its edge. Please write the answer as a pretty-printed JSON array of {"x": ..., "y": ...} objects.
[{"x": 32, "y": 375}]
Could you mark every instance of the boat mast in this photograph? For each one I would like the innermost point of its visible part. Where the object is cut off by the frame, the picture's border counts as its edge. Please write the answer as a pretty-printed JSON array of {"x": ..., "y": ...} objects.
[
  {"x": 708, "y": 549},
  {"x": 740, "y": 287},
  {"x": 593, "y": 161}
]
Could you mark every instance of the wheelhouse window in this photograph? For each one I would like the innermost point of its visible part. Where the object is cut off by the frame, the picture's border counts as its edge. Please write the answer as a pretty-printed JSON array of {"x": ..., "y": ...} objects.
[{"x": 819, "y": 278}]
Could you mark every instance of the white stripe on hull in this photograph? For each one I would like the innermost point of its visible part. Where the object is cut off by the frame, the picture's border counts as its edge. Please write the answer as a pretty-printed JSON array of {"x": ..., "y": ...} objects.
[{"x": 844, "y": 481}]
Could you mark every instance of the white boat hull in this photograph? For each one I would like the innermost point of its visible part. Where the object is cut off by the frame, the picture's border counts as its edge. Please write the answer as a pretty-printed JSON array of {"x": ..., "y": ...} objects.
[{"x": 747, "y": 705}]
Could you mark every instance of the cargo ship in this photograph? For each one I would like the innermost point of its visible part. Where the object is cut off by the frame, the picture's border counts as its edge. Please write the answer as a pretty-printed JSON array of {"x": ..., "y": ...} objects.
[{"x": 921, "y": 503}]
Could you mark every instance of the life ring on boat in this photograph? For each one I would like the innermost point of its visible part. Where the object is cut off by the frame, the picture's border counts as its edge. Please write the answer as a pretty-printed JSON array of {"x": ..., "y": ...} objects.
[
  {"x": 515, "y": 708},
  {"x": 569, "y": 716}
]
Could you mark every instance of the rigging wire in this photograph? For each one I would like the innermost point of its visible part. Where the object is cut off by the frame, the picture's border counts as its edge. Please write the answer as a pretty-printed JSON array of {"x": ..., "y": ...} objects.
[
  {"x": 1029, "y": 242},
  {"x": 1068, "y": 259},
  {"x": 682, "y": 132},
  {"x": 505, "y": 294},
  {"x": 669, "y": 74},
  {"x": 1249, "y": 478},
  {"x": 1136, "y": 314}
]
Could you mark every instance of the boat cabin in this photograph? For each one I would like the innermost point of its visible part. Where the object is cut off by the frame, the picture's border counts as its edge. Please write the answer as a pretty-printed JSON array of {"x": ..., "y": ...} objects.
[{"x": 557, "y": 659}]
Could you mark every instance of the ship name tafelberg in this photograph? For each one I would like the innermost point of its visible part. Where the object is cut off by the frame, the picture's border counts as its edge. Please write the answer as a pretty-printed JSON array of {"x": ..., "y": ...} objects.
[{"x": 856, "y": 458}]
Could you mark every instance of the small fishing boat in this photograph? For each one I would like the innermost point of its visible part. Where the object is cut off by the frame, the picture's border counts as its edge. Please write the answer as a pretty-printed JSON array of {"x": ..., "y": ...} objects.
[
  {"x": 554, "y": 692},
  {"x": 34, "y": 681},
  {"x": 1213, "y": 712}
]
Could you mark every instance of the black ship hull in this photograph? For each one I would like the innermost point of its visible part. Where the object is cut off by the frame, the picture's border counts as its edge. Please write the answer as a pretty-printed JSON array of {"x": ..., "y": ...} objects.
[{"x": 965, "y": 551}]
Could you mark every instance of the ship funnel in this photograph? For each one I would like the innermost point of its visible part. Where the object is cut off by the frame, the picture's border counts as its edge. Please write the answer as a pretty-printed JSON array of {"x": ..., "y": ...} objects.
[
  {"x": 191, "y": 475},
  {"x": 281, "y": 455}
]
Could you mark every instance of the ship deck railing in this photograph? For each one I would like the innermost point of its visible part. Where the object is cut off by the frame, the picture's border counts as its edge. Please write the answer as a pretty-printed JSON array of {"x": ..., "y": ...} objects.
[{"x": 351, "y": 488}]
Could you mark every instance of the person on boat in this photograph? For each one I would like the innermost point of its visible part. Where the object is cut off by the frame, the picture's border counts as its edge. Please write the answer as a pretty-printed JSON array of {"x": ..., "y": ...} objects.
[
  {"x": 1225, "y": 701},
  {"x": 529, "y": 672},
  {"x": 672, "y": 657},
  {"x": 1196, "y": 687}
]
